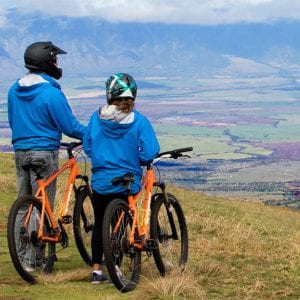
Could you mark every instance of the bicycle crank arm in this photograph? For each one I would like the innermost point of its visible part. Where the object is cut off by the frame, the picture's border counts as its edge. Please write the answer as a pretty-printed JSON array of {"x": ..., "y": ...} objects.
[
  {"x": 149, "y": 246},
  {"x": 64, "y": 239}
]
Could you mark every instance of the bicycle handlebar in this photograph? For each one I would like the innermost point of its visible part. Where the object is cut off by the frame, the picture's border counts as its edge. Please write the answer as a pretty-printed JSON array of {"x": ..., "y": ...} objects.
[
  {"x": 70, "y": 147},
  {"x": 175, "y": 153}
]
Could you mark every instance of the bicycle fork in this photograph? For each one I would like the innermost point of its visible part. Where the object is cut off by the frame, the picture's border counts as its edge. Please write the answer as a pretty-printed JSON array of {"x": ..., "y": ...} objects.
[
  {"x": 169, "y": 209},
  {"x": 88, "y": 227}
]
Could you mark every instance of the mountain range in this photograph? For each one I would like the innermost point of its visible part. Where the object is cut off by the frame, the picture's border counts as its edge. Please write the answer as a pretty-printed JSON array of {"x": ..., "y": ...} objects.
[{"x": 97, "y": 47}]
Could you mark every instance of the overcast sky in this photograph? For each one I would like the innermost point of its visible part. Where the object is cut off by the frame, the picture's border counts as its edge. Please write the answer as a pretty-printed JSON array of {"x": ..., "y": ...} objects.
[{"x": 166, "y": 11}]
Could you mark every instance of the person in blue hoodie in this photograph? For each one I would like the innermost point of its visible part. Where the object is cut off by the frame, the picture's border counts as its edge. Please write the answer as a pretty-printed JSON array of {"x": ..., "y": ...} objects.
[
  {"x": 38, "y": 114},
  {"x": 118, "y": 140}
]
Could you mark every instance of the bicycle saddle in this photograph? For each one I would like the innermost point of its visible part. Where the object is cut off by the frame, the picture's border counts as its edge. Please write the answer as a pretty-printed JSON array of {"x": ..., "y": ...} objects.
[
  {"x": 125, "y": 179},
  {"x": 36, "y": 165}
]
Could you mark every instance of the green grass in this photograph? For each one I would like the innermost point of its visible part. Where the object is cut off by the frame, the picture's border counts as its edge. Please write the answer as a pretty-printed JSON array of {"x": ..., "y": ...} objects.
[
  {"x": 238, "y": 250},
  {"x": 284, "y": 131}
]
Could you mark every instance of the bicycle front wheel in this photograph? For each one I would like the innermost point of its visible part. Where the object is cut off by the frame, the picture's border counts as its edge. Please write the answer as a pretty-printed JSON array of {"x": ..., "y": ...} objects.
[
  {"x": 30, "y": 256},
  {"x": 123, "y": 261},
  {"x": 168, "y": 228},
  {"x": 83, "y": 224}
]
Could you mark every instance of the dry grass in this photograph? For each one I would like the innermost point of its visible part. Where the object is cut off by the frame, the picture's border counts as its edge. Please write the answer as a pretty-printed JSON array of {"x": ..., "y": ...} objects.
[
  {"x": 81, "y": 274},
  {"x": 249, "y": 250},
  {"x": 237, "y": 250},
  {"x": 176, "y": 285}
]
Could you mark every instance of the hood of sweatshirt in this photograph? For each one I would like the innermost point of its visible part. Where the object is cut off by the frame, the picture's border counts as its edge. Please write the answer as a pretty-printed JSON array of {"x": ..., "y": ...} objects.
[
  {"x": 115, "y": 124},
  {"x": 32, "y": 84}
]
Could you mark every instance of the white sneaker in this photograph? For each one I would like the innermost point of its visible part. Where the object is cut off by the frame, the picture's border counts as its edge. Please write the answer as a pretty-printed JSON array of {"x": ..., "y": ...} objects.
[{"x": 28, "y": 269}]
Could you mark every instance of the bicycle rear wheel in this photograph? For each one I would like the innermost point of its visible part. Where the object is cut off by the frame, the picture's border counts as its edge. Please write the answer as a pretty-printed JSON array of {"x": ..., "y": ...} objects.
[
  {"x": 83, "y": 224},
  {"x": 29, "y": 256},
  {"x": 168, "y": 228},
  {"x": 122, "y": 261}
]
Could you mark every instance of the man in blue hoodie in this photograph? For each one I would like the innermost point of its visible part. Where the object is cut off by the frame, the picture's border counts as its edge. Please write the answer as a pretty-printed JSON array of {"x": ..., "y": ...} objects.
[
  {"x": 38, "y": 114},
  {"x": 118, "y": 140}
]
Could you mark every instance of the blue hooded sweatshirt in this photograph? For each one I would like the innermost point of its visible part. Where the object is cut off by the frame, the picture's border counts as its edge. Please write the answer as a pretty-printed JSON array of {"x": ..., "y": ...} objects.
[
  {"x": 119, "y": 148},
  {"x": 38, "y": 114}
]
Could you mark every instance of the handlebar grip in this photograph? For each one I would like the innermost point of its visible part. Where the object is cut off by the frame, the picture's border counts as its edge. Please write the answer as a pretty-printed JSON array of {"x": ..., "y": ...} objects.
[{"x": 186, "y": 149}]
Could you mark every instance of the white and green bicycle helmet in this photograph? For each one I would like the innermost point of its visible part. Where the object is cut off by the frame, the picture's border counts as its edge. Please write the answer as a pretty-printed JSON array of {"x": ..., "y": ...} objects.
[{"x": 120, "y": 86}]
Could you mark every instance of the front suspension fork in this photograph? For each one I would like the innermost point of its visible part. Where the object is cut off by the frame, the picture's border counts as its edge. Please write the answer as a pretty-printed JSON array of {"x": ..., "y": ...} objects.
[{"x": 169, "y": 209}]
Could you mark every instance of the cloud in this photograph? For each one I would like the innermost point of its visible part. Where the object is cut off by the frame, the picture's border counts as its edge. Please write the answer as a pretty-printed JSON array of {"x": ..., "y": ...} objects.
[
  {"x": 2, "y": 16},
  {"x": 176, "y": 11}
]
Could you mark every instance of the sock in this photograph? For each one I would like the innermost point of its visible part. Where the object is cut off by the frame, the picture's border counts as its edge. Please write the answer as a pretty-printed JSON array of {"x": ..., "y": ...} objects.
[{"x": 99, "y": 272}]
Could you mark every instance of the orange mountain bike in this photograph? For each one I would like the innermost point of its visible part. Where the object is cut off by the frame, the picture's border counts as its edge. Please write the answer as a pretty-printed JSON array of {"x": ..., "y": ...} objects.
[
  {"x": 153, "y": 223},
  {"x": 33, "y": 231}
]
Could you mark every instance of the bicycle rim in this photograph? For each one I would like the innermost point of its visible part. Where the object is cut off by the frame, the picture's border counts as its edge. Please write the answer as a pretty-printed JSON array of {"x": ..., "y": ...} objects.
[
  {"x": 83, "y": 224},
  {"x": 122, "y": 261},
  {"x": 29, "y": 256},
  {"x": 168, "y": 228}
]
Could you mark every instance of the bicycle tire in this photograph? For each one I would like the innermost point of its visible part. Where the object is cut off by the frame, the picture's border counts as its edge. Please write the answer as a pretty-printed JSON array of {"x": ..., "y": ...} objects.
[
  {"x": 38, "y": 257},
  {"x": 123, "y": 262},
  {"x": 83, "y": 224},
  {"x": 168, "y": 227}
]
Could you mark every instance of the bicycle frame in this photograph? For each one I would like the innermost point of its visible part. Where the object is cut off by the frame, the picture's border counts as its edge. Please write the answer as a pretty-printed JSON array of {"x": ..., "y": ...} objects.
[
  {"x": 148, "y": 181},
  {"x": 41, "y": 194},
  {"x": 142, "y": 227}
]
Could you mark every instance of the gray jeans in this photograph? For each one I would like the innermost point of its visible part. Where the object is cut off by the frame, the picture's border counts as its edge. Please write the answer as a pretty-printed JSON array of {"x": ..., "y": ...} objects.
[
  {"x": 27, "y": 184},
  {"x": 30, "y": 255}
]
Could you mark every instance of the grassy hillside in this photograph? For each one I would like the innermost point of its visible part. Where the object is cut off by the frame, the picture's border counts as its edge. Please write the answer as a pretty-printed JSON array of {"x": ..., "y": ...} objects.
[{"x": 238, "y": 250}]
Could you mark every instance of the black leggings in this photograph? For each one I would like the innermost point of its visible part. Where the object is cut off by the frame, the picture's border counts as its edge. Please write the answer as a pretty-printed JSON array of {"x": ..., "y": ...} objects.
[{"x": 100, "y": 203}]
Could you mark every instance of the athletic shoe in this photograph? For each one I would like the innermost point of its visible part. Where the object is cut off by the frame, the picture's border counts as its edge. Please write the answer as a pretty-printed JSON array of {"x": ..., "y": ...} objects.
[
  {"x": 28, "y": 269},
  {"x": 96, "y": 278}
]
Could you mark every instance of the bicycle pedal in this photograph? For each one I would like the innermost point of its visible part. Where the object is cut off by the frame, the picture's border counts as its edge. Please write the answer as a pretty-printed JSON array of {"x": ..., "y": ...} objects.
[
  {"x": 150, "y": 246},
  {"x": 67, "y": 219}
]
